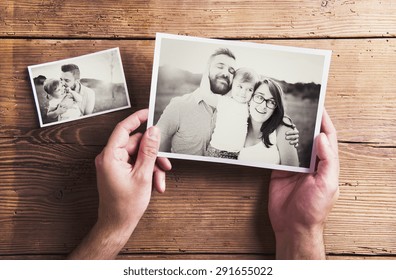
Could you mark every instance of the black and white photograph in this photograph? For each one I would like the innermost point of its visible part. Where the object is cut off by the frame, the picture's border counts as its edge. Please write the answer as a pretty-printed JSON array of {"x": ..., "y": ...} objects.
[
  {"x": 238, "y": 102},
  {"x": 79, "y": 87}
]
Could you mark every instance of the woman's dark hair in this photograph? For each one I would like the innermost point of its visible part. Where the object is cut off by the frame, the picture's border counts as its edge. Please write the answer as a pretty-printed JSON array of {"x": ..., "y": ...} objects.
[{"x": 278, "y": 116}]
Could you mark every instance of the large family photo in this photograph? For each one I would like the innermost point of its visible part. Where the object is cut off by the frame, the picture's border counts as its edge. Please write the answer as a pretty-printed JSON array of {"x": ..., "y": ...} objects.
[
  {"x": 79, "y": 87},
  {"x": 239, "y": 103}
]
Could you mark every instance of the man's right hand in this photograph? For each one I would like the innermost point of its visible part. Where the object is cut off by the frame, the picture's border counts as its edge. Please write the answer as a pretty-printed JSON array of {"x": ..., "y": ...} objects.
[{"x": 127, "y": 170}]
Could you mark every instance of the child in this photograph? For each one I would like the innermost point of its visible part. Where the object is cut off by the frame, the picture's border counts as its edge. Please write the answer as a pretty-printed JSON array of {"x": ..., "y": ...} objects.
[
  {"x": 229, "y": 135},
  {"x": 63, "y": 104}
]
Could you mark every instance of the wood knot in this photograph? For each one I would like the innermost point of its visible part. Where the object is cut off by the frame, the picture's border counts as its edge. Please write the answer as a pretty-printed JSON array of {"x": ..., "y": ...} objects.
[
  {"x": 324, "y": 3},
  {"x": 59, "y": 195}
]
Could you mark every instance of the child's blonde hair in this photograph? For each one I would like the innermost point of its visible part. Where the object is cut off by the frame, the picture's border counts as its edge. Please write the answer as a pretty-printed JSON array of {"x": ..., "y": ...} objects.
[{"x": 246, "y": 75}]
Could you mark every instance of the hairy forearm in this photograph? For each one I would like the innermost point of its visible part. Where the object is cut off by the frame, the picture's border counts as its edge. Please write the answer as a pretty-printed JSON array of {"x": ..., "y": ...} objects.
[
  {"x": 304, "y": 245},
  {"x": 101, "y": 243}
]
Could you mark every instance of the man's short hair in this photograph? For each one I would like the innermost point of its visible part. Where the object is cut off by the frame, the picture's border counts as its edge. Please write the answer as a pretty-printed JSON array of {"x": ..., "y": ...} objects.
[
  {"x": 73, "y": 68},
  {"x": 223, "y": 51}
]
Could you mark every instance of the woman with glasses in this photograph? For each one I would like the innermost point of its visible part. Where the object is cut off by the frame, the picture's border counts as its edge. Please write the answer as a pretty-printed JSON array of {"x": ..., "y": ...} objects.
[{"x": 265, "y": 140}]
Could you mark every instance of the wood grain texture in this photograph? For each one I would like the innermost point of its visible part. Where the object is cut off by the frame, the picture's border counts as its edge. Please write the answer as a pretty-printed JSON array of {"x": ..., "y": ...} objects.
[
  {"x": 48, "y": 197},
  {"x": 208, "y": 208},
  {"x": 181, "y": 256},
  {"x": 219, "y": 19},
  {"x": 358, "y": 80}
]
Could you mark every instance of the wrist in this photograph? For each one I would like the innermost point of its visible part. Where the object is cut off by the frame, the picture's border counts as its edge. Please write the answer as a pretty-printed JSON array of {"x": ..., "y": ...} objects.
[
  {"x": 117, "y": 227},
  {"x": 112, "y": 233},
  {"x": 102, "y": 242},
  {"x": 306, "y": 243}
]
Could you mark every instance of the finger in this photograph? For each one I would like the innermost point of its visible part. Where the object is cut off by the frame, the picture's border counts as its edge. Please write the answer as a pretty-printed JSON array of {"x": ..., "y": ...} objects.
[
  {"x": 328, "y": 128},
  {"x": 164, "y": 163},
  {"x": 147, "y": 155},
  {"x": 294, "y": 142},
  {"x": 159, "y": 179},
  {"x": 132, "y": 145},
  {"x": 120, "y": 136},
  {"x": 293, "y": 137},
  {"x": 279, "y": 174},
  {"x": 294, "y": 131},
  {"x": 328, "y": 165}
]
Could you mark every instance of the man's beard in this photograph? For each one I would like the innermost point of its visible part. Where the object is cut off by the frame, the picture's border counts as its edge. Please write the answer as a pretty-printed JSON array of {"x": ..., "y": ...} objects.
[{"x": 220, "y": 88}]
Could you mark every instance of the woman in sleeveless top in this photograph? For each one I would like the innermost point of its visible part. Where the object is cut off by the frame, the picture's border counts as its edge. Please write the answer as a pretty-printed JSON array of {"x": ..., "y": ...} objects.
[{"x": 265, "y": 140}]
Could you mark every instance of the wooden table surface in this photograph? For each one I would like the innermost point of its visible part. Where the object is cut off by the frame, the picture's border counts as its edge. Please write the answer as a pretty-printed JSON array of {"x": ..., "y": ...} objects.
[{"x": 48, "y": 197}]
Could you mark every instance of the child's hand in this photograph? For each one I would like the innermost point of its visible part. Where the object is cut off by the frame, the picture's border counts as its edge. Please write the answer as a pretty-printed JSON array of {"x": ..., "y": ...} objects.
[
  {"x": 67, "y": 102},
  {"x": 60, "y": 110},
  {"x": 74, "y": 94}
]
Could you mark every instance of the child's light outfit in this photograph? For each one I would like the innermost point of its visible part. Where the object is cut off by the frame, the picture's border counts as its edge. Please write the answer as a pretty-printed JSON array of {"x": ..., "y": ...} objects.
[
  {"x": 229, "y": 135},
  {"x": 72, "y": 113}
]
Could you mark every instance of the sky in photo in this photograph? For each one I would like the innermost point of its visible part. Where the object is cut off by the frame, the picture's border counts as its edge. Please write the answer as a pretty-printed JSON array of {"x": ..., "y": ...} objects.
[{"x": 291, "y": 66}]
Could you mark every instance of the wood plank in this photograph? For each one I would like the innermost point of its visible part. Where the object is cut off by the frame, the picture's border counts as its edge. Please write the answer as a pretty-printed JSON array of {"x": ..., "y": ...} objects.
[
  {"x": 220, "y": 19},
  {"x": 181, "y": 256},
  {"x": 358, "y": 81},
  {"x": 365, "y": 211},
  {"x": 64, "y": 205},
  {"x": 237, "y": 257},
  {"x": 48, "y": 197},
  {"x": 149, "y": 257},
  {"x": 48, "y": 193}
]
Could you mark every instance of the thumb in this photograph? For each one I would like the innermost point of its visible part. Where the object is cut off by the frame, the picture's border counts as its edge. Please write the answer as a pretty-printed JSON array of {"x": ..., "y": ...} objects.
[
  {"x": 328, "y": 159},
  {"x": 147, "y": 155}
]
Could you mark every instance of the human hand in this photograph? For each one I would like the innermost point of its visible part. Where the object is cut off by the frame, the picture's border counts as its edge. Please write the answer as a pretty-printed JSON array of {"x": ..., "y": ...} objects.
[
  {"x": 74, "y": 95},
  {"x": 293, "y": 134},
  {"x": 60, "y": 110},
  {"x": 127, "y": 171},
  {"x": 300, "y": 203},
  {"x": 67, "y": 101}
]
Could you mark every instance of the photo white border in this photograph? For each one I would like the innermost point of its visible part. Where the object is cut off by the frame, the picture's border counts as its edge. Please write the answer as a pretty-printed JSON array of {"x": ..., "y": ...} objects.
[
  {"x": 326, "y": 68},
  {"x": 37, "y": 104}
]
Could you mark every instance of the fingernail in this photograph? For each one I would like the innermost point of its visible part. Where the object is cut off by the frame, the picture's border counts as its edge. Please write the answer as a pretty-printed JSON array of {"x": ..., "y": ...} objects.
[{"x": 153, "y": 133}]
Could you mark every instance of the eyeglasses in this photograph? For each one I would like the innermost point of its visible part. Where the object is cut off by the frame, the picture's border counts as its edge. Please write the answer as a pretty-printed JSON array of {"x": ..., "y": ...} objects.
[{"x": 269, "y": 103}]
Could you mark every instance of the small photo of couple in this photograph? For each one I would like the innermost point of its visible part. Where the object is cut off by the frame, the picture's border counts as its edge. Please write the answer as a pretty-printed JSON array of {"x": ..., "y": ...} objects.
[
  {"x": 79, "y": 87},
  {"x": 238, "y": 102}
]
